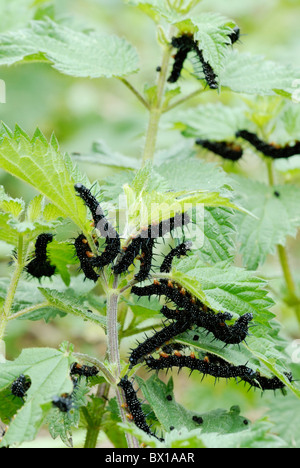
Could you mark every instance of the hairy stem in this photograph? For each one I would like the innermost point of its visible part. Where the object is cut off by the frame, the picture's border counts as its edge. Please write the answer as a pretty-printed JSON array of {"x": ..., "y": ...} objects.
[
  {"x": 135, "y": 92},
  {"x": 156, "y": 108},
  {"x": 113, "y": 350},
  {"x": 6, "y": 310}
]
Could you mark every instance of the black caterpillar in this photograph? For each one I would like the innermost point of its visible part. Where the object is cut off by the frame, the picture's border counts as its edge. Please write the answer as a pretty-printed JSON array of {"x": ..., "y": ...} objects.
[
  {"x": 20, "y": 386},
  {"x": 228, "y": 150},
  {"x": 106, "y": 230},
  {"x": 84, "y": 254},
  {"x": 135, "y": 408},
  {"x": 203, "y": 366},
  {"x": 235, "y": 35},
  {"x": 186, "y": 44},
  {"x": 150, "y": 233},
  {"x": 64, "y": 402},
  {"x": 83, "y": 370},
  {"x": 146, "y": 256},
  {"x": 179, "y": 251},
  {"x": 216, "y": 367},
  {"x": 40, "y": 265},
  {"x": 194, "y": 312},
  {"x": 157, "y": 340},
  {"x": 270, "y": 150}
]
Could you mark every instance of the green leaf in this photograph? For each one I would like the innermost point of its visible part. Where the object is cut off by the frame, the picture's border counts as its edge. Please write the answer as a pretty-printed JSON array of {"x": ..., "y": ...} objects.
[
  {"x": 71, "y": 52},
  {"x": 15, "y": 14},
  {"x": 48, "y": 370},
  {"x": 253, "y": 74},
  {"x": 61, "y": 301},
  {"x": 225, "y": 287},
  {"x": 212, "y": 31},
  {"x": 43, "y": 167},
  {"x": 211, "y": 121},
  {"x": 171, "y": 10},
  {"x": 277, "y": 218},
  {"x": 103, "y": 155}
]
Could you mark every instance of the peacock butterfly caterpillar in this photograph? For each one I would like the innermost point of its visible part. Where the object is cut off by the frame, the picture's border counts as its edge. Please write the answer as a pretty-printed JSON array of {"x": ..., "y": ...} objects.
[
  {"x": 64, "y": 402},
  {"x": 130, "y": 254},
  {"x": 235, "y": 35},
  {"x": 83, "y": 370},
  {"x": 20, "y": 386},
  {"x": 145, "y": 259},
  {"x": 40, "y": 265},
  {"x": 268, "y": 149},
  {"x": 134, "y": 406},
  {"x": 179, "y": 251},
  {"x": 184, "y": 44},
  {"x": 153, "y": 231},
  {"x": 157, "y": 340},
  {"x": 201, "y": 365},
  {"x": 105, "y": 228},
  {"x": 228, "y": 150},
  {"x": 196, "y": 313},
  {"x": 84, "y": 254}
]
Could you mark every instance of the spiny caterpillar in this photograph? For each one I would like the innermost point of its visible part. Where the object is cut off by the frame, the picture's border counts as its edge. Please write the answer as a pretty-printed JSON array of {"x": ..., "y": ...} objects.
[
  {"x": 151, "y": 232},
  {"x": 84, "y": 254},
  {"x": 64, "y": 402},
  {"x": 145, "y": 259},
  {"x": 235, "y": 35},
  {"x": 193, "y": 311},
  {"x": 157, "y": 340},
  {"x": 179, "y": 251},
  {"x": 106, "y": 230},
  {"x": 83, "y": 370},
  {"x": 20, "y": 386},
  {"x": 203, "y": 366},
  {"x": 40, "y": 265},
  {"x": 268, "y": 149},
  {"x": 228, "y": 150},
  {"x": 185, "y": 44},
  {"x": 134, "y": 407}
]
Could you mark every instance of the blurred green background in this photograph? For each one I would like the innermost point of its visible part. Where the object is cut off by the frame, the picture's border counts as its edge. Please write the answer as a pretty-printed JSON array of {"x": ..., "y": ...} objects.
[{"x": 82, "y": 111}]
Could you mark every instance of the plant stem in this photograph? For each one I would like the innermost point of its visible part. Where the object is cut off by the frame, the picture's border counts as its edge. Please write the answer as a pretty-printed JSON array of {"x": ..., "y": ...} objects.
[
  {"x": 156, "y": 108},
  {"x": 183, "y": 100},
  {"x": 135, "y": 92},
  {"x": 94, "y": 421},
  {"x": 283, "y": 256},
  {"x": 28, "y": 310},
  {"x": 282, "y": 253},
  {"x": 113, "y": 349},
  {"x": 5, "y": 313}
]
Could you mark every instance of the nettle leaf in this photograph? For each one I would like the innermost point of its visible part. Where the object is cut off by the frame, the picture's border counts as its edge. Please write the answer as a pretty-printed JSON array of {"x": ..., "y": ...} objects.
[
  {"x": 48, "y": 370},
  {"x": 69, "y": 305},
  {"x": 186, "y": 432},
  {"x": 211, "y": 121},
  {"x": 226, "y": 287},
  {"x": 253, "y": 74},
  {"x": 147, "y": 204},
  {"x": 277, "y": 218},
  {"x": 212, "y": 31},
  {"x": 71, "y": 52},
  {"x": 45, "y": 168},
  {"x": 171, "y": 10},
  {"x": 17, "y": 13},
  {"x": 103, "y": 155}
]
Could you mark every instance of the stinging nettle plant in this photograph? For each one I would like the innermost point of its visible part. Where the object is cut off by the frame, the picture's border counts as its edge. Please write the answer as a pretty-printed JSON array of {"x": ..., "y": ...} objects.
[{"x": 173, "y": 263}]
